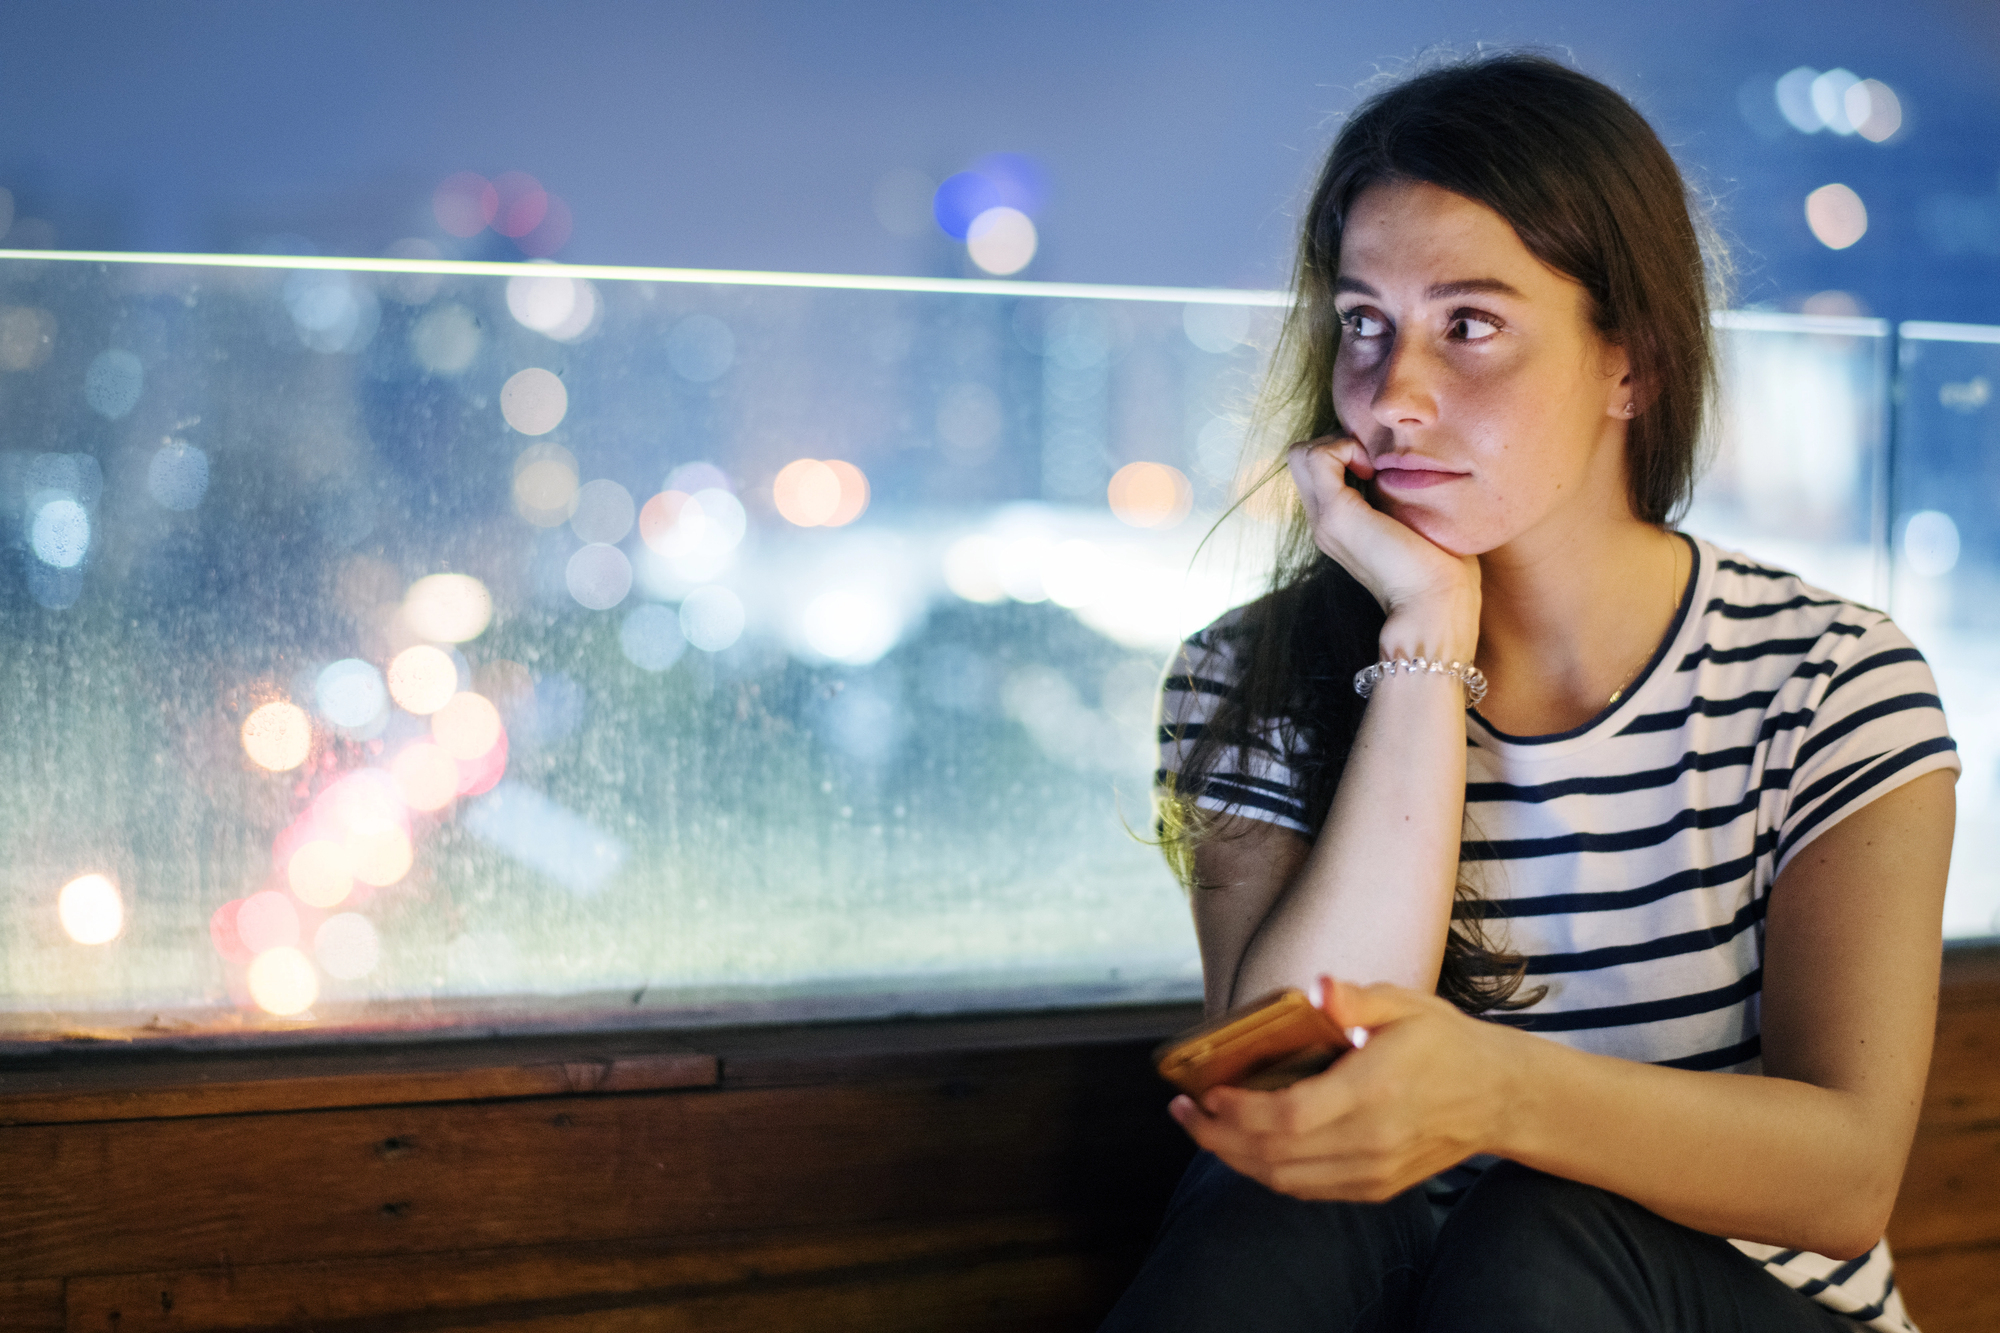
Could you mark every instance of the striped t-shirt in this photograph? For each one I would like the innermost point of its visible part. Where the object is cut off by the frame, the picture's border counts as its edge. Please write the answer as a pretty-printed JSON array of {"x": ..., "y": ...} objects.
[{"x": 1630, "y": 860}]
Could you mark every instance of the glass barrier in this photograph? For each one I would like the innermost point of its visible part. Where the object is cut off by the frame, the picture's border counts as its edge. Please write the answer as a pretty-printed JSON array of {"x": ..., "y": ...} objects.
[{"x": 400, "y": 647}]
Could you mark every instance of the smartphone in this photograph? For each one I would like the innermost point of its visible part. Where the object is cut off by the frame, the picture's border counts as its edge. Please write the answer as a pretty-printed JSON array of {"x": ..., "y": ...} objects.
[{"x": 1271, "y": 1042}]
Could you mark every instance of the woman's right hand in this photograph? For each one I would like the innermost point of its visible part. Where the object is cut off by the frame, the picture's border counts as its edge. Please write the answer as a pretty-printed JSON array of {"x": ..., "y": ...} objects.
[{"x": 1430, "y": 596}]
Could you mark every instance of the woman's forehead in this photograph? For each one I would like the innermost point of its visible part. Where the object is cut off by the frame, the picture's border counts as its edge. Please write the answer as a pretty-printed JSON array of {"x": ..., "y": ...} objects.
[{"x": 1425, "y": 241}]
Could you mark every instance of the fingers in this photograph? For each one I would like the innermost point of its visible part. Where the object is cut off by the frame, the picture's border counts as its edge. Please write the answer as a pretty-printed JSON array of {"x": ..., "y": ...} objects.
[{"x": 1368, "y": 1007}]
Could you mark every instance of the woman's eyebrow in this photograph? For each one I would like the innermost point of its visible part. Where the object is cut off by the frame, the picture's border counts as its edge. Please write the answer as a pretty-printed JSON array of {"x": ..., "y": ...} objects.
[{"x": 1438, "y": 291}]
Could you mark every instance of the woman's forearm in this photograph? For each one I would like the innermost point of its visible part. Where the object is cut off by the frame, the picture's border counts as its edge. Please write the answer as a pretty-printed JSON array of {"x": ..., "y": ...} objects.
[
  {"x": 1755, "y": 1158},
  {"x": 1372, "y": 901}
]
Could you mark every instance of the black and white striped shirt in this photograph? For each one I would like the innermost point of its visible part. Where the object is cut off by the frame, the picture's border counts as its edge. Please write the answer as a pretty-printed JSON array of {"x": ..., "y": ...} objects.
[{"x": 1630, "y": 860}]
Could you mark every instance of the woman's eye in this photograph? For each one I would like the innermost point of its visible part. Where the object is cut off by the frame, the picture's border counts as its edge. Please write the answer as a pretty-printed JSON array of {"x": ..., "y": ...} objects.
[
  {"x": 1471, "y": 328},
  {"x": 1362, "y": 325}
]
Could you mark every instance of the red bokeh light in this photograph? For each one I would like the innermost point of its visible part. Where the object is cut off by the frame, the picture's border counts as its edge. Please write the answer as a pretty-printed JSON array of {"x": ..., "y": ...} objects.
[
  {"x": 523, "y": 204},
  {"x": 551, "y": 234}
]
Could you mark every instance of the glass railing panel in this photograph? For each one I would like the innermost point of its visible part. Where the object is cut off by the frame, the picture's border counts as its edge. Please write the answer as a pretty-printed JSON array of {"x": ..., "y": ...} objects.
[
  {"x": 1945, "y": 525},
  {"x": 402, "y": 647},
  {"x": 1796, "y": 471}
]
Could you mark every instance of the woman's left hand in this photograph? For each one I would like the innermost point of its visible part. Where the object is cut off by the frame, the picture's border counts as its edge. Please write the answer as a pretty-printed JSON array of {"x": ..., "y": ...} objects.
[{"x": 1427, "y": 1090}]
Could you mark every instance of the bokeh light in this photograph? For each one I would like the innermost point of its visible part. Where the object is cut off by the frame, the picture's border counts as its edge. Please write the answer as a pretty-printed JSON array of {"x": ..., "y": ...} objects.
[
  {"x": 426, "y": 776},
  {"x": 468, "y": 726},
  {"x": 380, "y": 856},
  {"x": 448, "y": 608},
  {"x": 1001, "y": 241},
  {"x": 60, "y": 534},
  {"x": 852, "y": 625},
  {"x": 603, "y": 512},
  {"x": 534, "y": 401},
  {"x": 277, "y": 736},
  {"x": 971, "y": 569},
  {"x": 1837, "y": 216},
  {"x": 350, "y": 693},
  {"x": 563, "y": 308},
  {"x": 1930, "y": 543},
  {"x": 1076, "y": 573},
  {"x": 177, "y": 476},
  {"x": 91, "y": 910},
  {"x": 320, "y": 873},
  {"x": 267, "y": 920},
  {"x": 811, "y": 492},
  {"x": 465, "y": 204},
  {"x": 692, "y": 478},
  {"x": 27, "y": 337},
  {"x": 545, "y": 485},
  {"x": 598, "y": 576},
  {"x": 347, "y": 946},
  {"x": 113, "y": 383},
  {"x": 282, "y": 982},
  {"x": 806, "y": 492},
  {"x": 701, "y": 348},
  {"x": 712, "y": 618},
  {"x": 1874, "y": 109},
  {"x": 445, "y": 340},
  {"x": 1216, "y": 328},
  {"x": 521, "y": 205},
  {"x": 651, "y": 638},
  {"x": 422, "y": 679},
  {"x": 961, "y": 198},
  {"x": 1150, "y": 495},
  {"x": 550, "y": 234}
]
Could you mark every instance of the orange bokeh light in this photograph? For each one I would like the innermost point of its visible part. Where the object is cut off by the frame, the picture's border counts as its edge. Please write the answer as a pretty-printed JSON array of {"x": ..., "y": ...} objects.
[
  {"x": 853, "y": 493},
  {"x": 320, "y": 873},
  {"x": 426, "y": 775},
  {"x": 278, "y": 736},
  {"x": 422, "y": 679},
  {"x": 1150, "y": 495},
  {"x": 813, "y": 493},
  {"x": 380, "y": 856},
  {"x": 468, "y": 726}
]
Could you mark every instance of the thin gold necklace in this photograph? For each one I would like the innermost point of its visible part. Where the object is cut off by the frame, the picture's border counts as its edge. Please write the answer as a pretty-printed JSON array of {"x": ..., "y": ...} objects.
[{"x": 1673, "y": 579}]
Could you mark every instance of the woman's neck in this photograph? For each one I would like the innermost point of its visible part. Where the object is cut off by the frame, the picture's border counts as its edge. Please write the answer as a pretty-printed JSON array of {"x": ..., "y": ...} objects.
[{"x": 1570, "y": 618}]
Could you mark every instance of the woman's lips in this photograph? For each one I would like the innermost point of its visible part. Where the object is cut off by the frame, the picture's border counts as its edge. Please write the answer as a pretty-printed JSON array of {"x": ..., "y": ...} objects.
[{"x": 1412, "y": 479}]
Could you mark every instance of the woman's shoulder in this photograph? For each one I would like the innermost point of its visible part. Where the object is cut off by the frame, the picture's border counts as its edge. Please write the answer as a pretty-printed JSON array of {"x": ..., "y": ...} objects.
[{"x": 1754, "y": 610}]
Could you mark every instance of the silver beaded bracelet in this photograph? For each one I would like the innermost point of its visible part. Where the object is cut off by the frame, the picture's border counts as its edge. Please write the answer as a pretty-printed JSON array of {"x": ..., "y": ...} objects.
[{"x": 1464, "y": 673}]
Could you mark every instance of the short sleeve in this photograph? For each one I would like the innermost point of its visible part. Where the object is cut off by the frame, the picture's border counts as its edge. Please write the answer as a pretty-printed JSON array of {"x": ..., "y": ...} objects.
[
  {"x": 1877, "y": 725},
  {"x": 1254, "y": 780}
]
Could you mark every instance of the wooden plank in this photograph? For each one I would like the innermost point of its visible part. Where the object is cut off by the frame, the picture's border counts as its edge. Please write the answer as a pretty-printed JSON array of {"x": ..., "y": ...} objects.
[
  {"x": 1952, "y": 1291},
  {"x": 33, "y": 1306},
  {"x": 1951, "y": 1190},
  {"x": 1072, "y": 1134},
  {"x": 601, "y": 1276},
  {"x": 233, "y": 1085},
  {"x": 1964, "y": 1087}
]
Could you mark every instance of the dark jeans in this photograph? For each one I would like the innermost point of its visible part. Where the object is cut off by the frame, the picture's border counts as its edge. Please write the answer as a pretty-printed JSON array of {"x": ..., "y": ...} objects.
[{"x": 1522, "y": 1252}]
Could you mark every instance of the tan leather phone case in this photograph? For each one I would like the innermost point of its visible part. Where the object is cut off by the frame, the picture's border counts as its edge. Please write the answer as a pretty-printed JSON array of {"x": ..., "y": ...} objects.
[{"x": 1271, "y": 1042}]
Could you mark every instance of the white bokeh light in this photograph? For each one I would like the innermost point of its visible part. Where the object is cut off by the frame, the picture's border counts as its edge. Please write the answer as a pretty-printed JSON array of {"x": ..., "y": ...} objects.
[
  {"x": 712, "y": 618},
  {"x": 1930, "y": 543},
  {"x": 852, "y": 625}
]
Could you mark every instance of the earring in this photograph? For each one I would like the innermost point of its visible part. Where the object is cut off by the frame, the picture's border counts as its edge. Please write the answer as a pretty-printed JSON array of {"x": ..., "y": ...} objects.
[{"x": 1631, "y": 410}]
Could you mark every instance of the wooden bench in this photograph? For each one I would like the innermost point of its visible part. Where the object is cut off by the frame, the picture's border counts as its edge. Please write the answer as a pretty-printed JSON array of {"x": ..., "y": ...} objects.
[{"x": 970, "y": 1173}]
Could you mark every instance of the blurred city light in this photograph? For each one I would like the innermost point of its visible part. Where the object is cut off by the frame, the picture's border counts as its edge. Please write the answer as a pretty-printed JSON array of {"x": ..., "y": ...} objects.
[
  {"x": 971, "y": 569},
  {"x": 545, "y": 478},
  {"x": 1150, "y": 495},
  {"x": 448, "y": 608},
  {"x": 177, "y": 476},
  {"x": 1001, "y": 240},
  {"x": 563, "y": 308},
  {"x": 267, "y": 920},
  {"x": 277, "y": 736},
  {"x": 812, "y": 492},
  {"x": 534, "y": 401},
  {"x": 320, "y": 873},
  {"x": 347, "y": 946},
  {"x": 445, "y": 340},
  {"x": 522, "y": 204},
  {"x": 381, "y": 855},
  {"x": 1837, "y": 216},
  {"x": 1930, "y": 543},
  {"x": 91, "y": 910},
  {"x": 60, "y": 534},
  {"x": 851, "y": 625},
  {"x": 712, "y": 618},
  {"x": 1874, "y": 110},
  {"x": 113, "y": 383},
  {"x": 603, "y": 513},
  {"x": 465, "y": 204},
  {"x": 598, "y": 576},
  {"x": 427, "y": 776},
  {"x": 1837, "y": 100},
  {"x": 282, "y": 982},
  {"x": 467, "y": 727},
  {"x": 350, "y": 693},
  {"x": 422, "y": 679},
  {"x": 651, "y": 637}
]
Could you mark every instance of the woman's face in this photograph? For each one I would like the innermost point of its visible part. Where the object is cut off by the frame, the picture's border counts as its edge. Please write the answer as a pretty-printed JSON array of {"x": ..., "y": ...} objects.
[{"x": 1469, "y": 369}]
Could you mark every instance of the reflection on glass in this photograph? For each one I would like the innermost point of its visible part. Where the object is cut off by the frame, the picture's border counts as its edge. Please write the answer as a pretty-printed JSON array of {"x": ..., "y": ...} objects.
[{"x": 602, "y": 646}]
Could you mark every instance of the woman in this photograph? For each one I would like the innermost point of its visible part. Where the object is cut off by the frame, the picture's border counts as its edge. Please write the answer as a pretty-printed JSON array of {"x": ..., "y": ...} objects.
[{"x": 1644, "y": 947}]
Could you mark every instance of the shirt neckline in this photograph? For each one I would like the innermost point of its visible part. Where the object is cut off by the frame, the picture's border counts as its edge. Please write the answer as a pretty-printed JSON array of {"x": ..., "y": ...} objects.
[{"x": 1699, "y": 568}]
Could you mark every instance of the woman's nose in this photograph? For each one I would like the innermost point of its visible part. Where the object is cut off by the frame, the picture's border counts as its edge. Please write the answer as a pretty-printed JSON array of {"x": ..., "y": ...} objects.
[{"x": 1405, "y": 389}]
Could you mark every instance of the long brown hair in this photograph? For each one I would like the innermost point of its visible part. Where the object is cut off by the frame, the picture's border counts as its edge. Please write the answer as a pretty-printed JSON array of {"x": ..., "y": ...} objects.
[{"x": 1593, "y": 193}]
